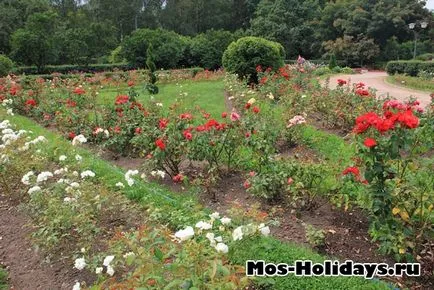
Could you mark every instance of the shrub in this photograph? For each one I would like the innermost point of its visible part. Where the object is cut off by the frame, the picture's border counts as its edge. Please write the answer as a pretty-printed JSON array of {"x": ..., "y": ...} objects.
[
  {"x": 425, "y": 57},
  {"x": 410, "y": 67},
  {"x": 246, "y": 54},
  {"x": 169, "y": 47},
  {"x": 332, "y": 62},
  {"x": 207, "y": 48},
  {"x": 115, "y": 55},
  {"x": 6, "y": 65},
  {"x": 151, "y": 87}
]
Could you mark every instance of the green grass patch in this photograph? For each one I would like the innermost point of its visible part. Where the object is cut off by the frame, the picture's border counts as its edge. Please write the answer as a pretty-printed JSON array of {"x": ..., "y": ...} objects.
[
  {"x": 3, "y": 279},
  {"x": 190, "y": 94},
  {"x": 179, "y": 210},
  {"x": 415, "y": 83}
]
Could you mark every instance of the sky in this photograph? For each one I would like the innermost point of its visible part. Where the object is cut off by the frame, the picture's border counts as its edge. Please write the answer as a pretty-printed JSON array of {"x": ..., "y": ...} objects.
[{"x": 430, "y": 4}]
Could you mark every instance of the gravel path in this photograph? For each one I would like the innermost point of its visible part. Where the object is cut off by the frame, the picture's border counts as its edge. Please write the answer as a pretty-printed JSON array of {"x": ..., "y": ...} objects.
[{"x": 377, "y": 80}]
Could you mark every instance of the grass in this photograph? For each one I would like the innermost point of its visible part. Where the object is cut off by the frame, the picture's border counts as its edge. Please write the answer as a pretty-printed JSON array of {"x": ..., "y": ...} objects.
[
  {"x": 205, "y": 94},
  {"x": 178, "y": 210},
  {"x": 415, "y": 83},
  {"x": 3, "y": 279}
]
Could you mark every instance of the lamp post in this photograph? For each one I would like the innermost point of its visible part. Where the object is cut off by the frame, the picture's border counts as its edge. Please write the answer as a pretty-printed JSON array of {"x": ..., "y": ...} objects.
[{"x": 413, "y": 26}]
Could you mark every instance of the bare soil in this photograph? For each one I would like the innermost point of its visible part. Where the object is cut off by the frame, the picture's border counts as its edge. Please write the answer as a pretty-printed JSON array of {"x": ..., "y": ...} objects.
[{"x": 25, "y": 264}]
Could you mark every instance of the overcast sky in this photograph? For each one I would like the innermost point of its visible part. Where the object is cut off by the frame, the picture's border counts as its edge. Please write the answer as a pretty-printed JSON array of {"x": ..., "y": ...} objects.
[{"x": 430, "y": 4}]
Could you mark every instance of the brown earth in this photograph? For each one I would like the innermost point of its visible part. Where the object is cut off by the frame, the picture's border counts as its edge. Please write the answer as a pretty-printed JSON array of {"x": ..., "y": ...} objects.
[{"x": 25, "y": 265}]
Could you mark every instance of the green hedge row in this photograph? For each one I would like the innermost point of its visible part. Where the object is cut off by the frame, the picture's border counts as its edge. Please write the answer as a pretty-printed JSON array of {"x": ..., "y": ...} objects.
[
  {"x": 409, "y": 67},
  {"x": 67, "y": 69}
]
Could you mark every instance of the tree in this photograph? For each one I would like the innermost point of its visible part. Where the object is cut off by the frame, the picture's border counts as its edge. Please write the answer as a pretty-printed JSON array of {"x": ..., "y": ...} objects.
[
  {"x": 207, "y": 48},
  {"x": 35, "y": 43},
  {"x": 290, "y": 22},
  {"x": 355, "y": 51}
]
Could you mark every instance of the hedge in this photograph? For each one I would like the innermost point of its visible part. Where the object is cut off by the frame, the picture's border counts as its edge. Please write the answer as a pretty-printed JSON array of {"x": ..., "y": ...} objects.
[
  {"x": 409, "y": 67},
  {"x": 66, "y": 69}
]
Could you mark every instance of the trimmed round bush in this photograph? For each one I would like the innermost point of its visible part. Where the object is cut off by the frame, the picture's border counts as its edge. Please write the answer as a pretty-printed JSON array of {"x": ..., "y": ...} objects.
[
  {"x": 244, "y": 55},
  {"x": 6, "y": 65},
  {"x": 168, "y": 48}
]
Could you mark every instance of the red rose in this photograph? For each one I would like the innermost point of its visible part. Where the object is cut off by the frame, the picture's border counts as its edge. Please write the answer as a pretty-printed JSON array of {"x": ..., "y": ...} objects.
[
  {"x": 256, "y": 110},
  {"x": 31, "y": 103},
  {"x": 259, "y": 68},
  {"x": 130, "y": 83},
  {"x": 117, "y": 129},
  {"x": 353, "y": 170},
  {"x": 79, "y": 91},
  {"x": 290, "y": 181},
  {"x": 224, "y": 115},
  {"x": 187, "y": 135},
  {"x": 408, "y": 119},
  {"x": 247, "y": 106},
  {"x": 121, "y": 100},
  {"x": 186, "y": 116},
  {"x": 138, "y": 131},
  {"x": 341, "y": 82},
  {"x": 248, "y": 134},
  {"x": 263, "y": 80},
  {"x": 71, "y": 135},
  {"x": 163, "y": 123},
  {"x": 246, "y": 184},
  {"x": 178, "y": 178},
  {"x": 160, "y": 144},
  {"x": 370, "y": 142}
]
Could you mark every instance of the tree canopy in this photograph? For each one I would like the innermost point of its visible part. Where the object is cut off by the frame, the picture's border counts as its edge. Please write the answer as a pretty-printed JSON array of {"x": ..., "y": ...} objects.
[{"x": 84, "y": 31}]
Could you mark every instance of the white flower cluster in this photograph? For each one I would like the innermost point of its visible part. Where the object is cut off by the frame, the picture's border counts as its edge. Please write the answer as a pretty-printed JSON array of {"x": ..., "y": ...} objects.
[
  {"x": 87, "y": 173},
  {"x": 43, "y": 176},
  {"x": 217, "y": 241},
  {"x": 106, "y": 263},
  {"x": 80, "y": 139},
  {"x": 158, "y": 173},
  {"x": 129, "y": 175},
  {"x": 26, "y": 178}
]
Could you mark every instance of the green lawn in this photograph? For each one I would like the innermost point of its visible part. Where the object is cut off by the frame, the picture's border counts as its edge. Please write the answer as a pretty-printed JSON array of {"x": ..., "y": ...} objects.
[
  {"x": 205, "y": 94},
  {"x": 415, "y": 83}
]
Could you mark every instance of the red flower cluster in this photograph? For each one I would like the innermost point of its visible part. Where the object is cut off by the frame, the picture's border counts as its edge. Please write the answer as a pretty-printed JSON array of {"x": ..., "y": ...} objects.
[
  {"x": 71, "y": 135},
  {"x": 31, "y": 103},
  {"x": 362, "y": 92},
  {"x": 263, "y": 80},
  {"x": 341, "y": 82},
  {"x": 162, "y": 124},
  {"x": 121, "y": 100},
  {"x": 360, "y": 85},
  {"x": 178, "y": 178},
  {"x": 187, "y": 134},
  {"x": 79, "y": 91},
  {"x": 353, "y": 170},
  {"x": 370, "y": 142},
  {"x": 186, "y": 116},
  {"x": 14, "y": 90},
  {"x": 383, "y": 124},
  {"x": 284, "y": 73},
  {"x": 160, "y": 144},
  {"x": 70, "y": 103}
]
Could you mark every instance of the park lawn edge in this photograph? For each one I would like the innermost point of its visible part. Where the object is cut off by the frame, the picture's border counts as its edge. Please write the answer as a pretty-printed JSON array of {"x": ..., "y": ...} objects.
[
  {"x": 391, "y": 80},
  {"x": 178, "y": 211}
]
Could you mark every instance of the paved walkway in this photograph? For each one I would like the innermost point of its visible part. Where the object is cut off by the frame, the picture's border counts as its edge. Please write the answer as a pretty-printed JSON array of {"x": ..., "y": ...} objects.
[{"x": 377, "y": 80}]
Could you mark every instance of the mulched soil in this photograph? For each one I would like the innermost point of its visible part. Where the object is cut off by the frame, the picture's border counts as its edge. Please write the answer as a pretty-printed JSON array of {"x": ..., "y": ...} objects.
[{"x": 25, "y": 264}]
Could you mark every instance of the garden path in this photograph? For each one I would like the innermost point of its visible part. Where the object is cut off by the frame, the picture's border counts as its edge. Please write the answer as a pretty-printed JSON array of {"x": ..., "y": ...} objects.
[{"x": 377, "y": 80}]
